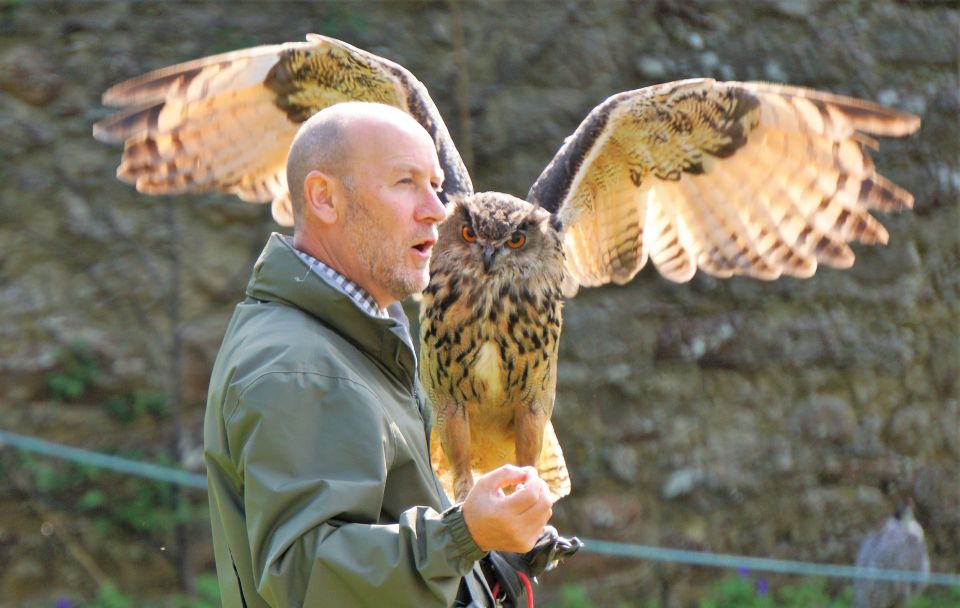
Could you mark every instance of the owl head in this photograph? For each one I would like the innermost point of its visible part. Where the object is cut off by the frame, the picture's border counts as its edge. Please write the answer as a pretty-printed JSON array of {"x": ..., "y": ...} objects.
[{"x": 498, "y": 235}]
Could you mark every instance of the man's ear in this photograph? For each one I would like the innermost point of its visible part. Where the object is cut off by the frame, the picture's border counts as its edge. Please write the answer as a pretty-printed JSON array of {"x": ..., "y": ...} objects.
[{"x": 318, "y": 188}]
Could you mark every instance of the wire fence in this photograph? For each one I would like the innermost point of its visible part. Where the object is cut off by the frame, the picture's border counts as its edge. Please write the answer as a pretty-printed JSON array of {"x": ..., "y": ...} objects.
[{"x": 603, "y": 547}]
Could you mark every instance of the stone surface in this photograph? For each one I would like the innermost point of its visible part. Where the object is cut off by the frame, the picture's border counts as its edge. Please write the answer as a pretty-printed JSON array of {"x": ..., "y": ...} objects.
[
  {"x": 826, "y": 418},
  {"x": 28, "y": 74}
]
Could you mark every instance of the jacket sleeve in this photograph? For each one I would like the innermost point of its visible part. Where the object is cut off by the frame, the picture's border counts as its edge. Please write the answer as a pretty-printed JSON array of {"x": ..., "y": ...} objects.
[{"x": 314, "y": 452}]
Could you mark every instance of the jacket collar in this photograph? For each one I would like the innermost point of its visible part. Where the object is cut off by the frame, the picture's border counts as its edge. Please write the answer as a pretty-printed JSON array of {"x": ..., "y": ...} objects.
[{"x": 280, "y": 275}]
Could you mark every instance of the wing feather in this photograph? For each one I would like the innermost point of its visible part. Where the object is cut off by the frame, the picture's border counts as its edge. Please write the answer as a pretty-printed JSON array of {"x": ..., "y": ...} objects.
[
  {"x": 157, "y": 86},
  {"x": 226, "y": 122},
  {"x": 668, "y": 243},
  {"x": 767, "y": 214},
  {"x": 731, "y": 177}
]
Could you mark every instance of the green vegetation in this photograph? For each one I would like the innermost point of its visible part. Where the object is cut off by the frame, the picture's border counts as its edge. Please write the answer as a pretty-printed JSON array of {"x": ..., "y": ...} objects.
[
  {"x": 207, "y": 596},
  {"x": 749, "y": 592},
  {"x": 114, "y": 502},
  {"x": 745, "y": 592},
  {"x": 937, "y": 598},
  {"x": 731, "y": 592},
  {"x": 75, "y": 372},
  {"x": 127, "y": 408},
  {"x": 575, "y": 596},
  {"x": 111, "y": 597}
]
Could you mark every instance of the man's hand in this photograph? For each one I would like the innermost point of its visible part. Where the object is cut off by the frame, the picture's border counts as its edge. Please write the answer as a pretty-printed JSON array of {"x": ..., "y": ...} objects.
[{"x": 498, "y": 521}]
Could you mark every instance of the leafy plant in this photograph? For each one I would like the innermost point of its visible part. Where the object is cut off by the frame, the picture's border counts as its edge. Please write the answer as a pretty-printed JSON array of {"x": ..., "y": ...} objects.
[
  {"x": 937, "y": 598},
  {"x": 127, "y": 408},
  {"x": 75, "y": 371},
  {"x": 207, "y": 596},
  {"x": 813, "y": 592},
  {"x": 745, "y": 591},
  {"x": 135, "y": 503},
  {"x": 739, "y": 592},
  {"x": 109, "y": 596},
  {"x": 573, "y": 596}
]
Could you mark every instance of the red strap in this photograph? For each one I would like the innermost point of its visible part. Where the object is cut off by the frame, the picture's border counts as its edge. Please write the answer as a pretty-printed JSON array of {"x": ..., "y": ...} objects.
[{"x": 526, "y": 583}]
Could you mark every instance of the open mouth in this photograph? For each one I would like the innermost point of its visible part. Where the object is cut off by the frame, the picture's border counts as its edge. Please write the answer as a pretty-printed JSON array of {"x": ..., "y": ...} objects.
[{"x": 424, "y": 247}]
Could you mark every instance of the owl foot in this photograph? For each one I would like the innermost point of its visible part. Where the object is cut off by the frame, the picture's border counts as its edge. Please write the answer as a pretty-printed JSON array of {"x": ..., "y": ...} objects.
[{"x": 462, "y": 487}]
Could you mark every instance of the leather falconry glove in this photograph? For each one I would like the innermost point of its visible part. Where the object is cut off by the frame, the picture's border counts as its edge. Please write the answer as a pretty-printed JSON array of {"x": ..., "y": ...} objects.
[{"x": 513, "y": 572}]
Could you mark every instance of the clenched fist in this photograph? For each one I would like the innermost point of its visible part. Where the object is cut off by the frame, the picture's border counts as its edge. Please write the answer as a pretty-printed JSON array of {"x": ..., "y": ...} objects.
[{"x": 501, "y": 521}]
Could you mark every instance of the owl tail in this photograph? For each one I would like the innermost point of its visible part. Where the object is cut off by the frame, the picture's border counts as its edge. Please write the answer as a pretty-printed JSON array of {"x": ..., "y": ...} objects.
[{"x": 551, "y": 465}]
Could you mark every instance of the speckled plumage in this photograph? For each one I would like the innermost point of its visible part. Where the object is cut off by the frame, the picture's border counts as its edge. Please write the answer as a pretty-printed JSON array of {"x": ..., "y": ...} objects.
[
  {"x": 489, "y": 341},
  {"x": 732, "y": 178}
]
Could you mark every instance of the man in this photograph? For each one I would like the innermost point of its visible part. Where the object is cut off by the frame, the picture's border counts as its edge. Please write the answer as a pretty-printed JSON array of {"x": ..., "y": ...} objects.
[{"x": 321, "y": 489}]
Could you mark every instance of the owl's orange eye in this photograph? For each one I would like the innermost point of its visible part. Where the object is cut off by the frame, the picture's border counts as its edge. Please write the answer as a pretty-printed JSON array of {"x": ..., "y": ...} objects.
[
  {"x": 517, "y": 241},
  {"x": 468, "y": 234}
]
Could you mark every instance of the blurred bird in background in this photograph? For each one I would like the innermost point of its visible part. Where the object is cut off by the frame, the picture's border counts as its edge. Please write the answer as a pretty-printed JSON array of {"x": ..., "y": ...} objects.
[{"x": 897, "y": 545}]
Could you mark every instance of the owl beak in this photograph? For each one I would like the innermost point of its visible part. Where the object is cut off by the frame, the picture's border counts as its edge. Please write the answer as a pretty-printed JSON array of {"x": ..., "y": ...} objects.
[{"x": 489, "y": 256}]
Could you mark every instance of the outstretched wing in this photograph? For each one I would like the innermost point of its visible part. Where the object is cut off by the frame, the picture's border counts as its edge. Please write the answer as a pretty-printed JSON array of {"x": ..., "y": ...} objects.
[
  {"x": 733, "y": 178},
  {"x": 226, "y": 122}
]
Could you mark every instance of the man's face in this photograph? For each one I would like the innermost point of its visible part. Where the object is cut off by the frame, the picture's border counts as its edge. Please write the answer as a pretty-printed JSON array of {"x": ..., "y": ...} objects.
[{"x": 392, "y": 211}]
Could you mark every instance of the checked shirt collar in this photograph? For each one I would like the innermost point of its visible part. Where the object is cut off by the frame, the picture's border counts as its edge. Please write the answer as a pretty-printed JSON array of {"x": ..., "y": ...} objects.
[{"x": 357, "y": 294}]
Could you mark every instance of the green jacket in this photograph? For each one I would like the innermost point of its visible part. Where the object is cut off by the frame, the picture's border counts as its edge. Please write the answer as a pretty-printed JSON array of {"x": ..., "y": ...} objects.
[{"x": 315, "y": 437}]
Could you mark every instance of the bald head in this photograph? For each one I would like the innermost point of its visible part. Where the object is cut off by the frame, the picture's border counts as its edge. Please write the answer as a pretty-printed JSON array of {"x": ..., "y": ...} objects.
[
  {"x": 364, "y": 181},
  {"x": 327, "y": 142}
]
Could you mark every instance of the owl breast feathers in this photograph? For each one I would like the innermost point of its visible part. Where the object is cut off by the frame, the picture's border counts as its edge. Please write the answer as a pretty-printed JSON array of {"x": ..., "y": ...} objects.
[{"x": 733, "y": 178}]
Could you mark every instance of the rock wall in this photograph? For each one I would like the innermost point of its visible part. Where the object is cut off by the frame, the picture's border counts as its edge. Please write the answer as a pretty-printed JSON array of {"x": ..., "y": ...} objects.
[{"x": 777, "y": 419}]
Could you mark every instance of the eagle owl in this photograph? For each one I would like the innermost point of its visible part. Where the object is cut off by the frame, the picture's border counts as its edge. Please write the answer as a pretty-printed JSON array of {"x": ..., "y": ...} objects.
[
  {"x": 732, "y": 178},
  {"x": 490, "y": 325}
]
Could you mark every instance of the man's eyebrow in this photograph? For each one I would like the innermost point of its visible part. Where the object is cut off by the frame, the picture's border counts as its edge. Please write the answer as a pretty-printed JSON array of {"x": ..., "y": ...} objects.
[
  {"x": 408, "y": 167},
  {"x": 403, "y": 165}
]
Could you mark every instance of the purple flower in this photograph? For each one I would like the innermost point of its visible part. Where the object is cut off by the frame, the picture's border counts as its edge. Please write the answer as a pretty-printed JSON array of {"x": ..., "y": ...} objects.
[
  {"x": 763, "y": 586},
  {"x": 62, "y": 603},
  {"x": 743, "y": 572}
]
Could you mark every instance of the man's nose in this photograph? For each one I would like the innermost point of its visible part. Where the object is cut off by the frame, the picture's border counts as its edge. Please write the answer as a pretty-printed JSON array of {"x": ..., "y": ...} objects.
[{"x": 432, "y": 208}]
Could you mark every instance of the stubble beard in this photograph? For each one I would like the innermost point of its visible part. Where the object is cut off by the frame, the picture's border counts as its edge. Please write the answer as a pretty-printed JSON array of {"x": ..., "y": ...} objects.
[{"x": 383, "y": 255}]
